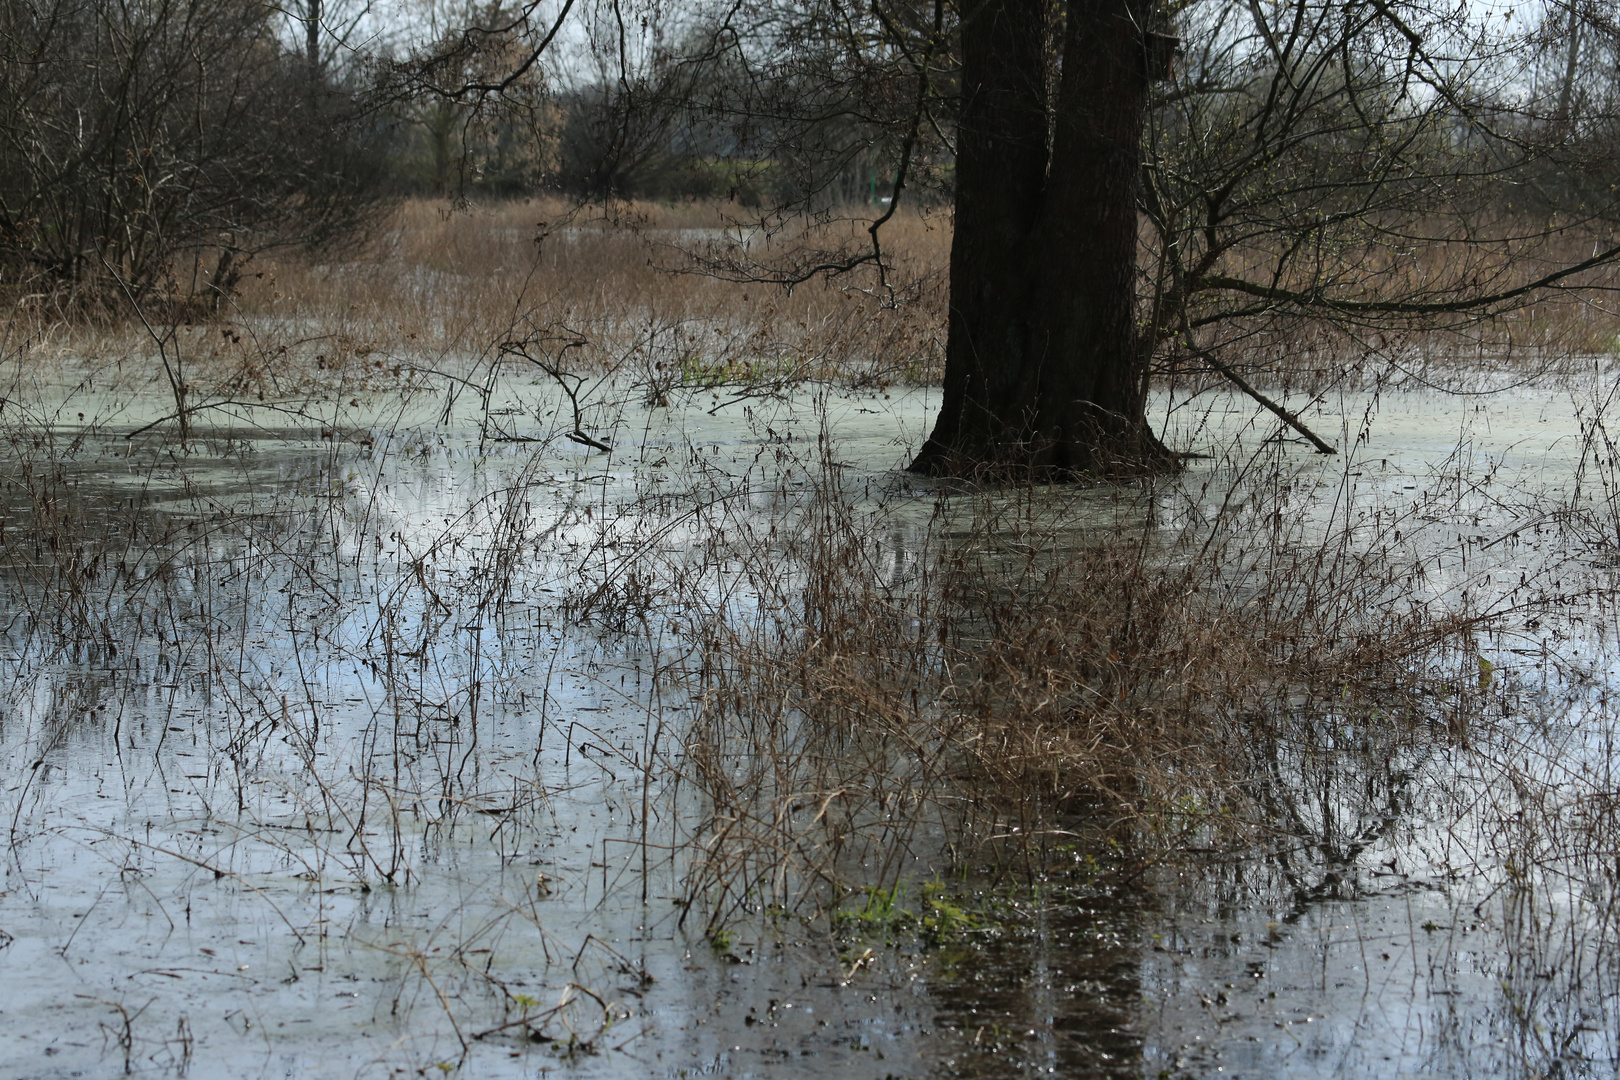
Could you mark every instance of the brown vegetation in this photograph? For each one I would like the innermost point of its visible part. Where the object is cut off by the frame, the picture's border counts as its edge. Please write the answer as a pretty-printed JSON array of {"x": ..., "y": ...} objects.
[
  {"x": 440, "y": 289},
  {"x": 854, "y": 683}
]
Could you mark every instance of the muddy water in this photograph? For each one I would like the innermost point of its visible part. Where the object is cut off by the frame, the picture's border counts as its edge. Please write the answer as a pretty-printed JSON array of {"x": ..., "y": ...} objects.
[{"x": 310, "y": 765}]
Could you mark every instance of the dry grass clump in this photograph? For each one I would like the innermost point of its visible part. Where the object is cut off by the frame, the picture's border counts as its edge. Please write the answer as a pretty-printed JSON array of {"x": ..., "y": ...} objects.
[
  {"x": 1209, "y": 674},
  {"x": 904, "y": 696}
]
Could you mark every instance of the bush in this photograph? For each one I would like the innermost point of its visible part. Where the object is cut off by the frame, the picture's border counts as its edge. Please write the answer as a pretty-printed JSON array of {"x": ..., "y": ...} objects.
[{"x": 141, "y": 138}]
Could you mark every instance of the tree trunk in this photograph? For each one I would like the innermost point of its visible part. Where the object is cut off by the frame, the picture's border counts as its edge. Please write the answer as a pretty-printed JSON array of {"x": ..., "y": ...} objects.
[
  {"x": 312, "y": 39},
  {"x": 1044, "y": 373}
]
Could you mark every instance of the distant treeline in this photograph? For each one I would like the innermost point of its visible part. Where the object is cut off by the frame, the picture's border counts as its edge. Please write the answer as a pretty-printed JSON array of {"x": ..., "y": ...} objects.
[{"x": 576, "y": 144}]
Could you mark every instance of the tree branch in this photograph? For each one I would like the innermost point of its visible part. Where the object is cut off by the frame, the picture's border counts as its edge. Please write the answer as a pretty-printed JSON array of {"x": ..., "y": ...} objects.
[{"x": 1319, "y": 299}]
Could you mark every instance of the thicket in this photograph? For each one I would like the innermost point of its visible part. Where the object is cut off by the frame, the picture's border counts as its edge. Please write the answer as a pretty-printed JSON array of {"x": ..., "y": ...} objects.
[{"x": 147, "y": 150}]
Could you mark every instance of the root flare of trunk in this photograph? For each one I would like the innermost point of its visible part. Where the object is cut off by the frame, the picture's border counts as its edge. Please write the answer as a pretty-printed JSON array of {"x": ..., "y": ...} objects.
[{"x": 1090, "y": 448}]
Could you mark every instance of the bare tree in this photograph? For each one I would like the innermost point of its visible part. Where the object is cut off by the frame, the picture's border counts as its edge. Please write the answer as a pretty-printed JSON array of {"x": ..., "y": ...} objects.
[
  {"x": 502, "y": 140},
  {"x": 1364, "y": 167},
  {"x": 139, "y": 138}
]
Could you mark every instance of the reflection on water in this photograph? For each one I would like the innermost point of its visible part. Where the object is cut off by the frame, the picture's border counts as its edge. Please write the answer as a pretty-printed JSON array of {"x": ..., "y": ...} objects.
[{"x": 312, "y": 765}]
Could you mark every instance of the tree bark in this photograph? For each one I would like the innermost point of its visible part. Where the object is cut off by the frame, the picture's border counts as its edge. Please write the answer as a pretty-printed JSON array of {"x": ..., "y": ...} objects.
[
  {"x": 313, "y": 10},
  {"x": 1044, "y": 373}
]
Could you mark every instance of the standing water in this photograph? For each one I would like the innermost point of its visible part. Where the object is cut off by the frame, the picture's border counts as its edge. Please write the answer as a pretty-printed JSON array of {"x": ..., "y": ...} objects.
[{"x": 384, "y": 742}]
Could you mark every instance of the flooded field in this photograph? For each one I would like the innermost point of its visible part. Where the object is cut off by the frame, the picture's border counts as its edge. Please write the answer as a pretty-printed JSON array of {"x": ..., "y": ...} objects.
[{"x": 407, "y": 735}]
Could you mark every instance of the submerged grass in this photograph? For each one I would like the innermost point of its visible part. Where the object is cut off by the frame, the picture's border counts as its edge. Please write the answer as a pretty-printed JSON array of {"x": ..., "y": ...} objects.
[
  {"x": 1172, "y": 677},
  {"x": 806, "y": 693},
  {"x": 1143, "y": 657}
]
